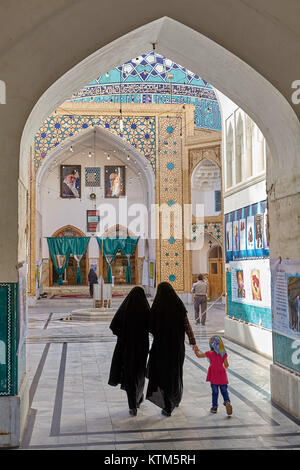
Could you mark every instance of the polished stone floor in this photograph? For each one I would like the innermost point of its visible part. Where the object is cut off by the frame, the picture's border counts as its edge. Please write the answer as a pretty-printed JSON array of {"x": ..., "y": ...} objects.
[{"x": 73, "y": 407}]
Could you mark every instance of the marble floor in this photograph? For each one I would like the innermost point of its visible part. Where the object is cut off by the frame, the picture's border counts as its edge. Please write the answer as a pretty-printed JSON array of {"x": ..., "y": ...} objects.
[{"x": 73, "y": 407}]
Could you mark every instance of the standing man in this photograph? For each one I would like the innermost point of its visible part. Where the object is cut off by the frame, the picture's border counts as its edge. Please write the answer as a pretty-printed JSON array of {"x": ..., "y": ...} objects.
[
  {"x": 93, "y": 279},
  {"x": 200, "y": 298}
]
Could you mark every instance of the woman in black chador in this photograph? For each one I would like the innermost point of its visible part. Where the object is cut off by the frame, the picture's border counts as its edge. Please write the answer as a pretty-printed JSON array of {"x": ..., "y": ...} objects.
[
  {"x": 168, "y": 324},
  {"x": 128, "y": 368}
]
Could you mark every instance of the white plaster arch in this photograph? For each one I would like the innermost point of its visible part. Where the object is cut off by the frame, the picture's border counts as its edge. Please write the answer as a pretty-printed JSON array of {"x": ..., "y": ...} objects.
[
  {"x": 105, "y": 136},
  {"x": 225, "y": 71}
]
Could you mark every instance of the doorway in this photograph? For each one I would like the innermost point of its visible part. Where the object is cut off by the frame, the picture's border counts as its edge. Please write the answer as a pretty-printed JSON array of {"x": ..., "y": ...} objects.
[
  {"x": 215, "y": 276},
  {"x": 69, "y": 277}
]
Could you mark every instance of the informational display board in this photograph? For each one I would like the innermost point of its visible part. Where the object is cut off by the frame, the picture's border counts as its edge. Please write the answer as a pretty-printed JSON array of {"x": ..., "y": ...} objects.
[
  {"x": 145, "y": 278},
  {"x": 152, "y": 273},
  {"x": 250, "y": 282},
  {"x": 93, "y": 219},
  {"x": 246, "y": 232},
  {"x": 285, "y": 275}
]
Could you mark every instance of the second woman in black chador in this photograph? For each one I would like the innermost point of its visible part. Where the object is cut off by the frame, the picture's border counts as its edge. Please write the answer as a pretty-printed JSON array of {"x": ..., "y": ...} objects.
[
  {"x": 128, "y": 368},
  {"x": 168, "y": 325}
]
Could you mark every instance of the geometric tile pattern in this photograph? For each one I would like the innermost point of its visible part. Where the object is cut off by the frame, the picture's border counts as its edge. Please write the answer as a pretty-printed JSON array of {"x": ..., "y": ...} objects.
[
  {"x": 140, "y": 132},
  {"x": 8, "y": 335},
  {"x": 170, "y": 194},
  {"x": 214, "y": 229},
  {"x": 152, "y": 78},
  {"x": 92, "y": 177}
]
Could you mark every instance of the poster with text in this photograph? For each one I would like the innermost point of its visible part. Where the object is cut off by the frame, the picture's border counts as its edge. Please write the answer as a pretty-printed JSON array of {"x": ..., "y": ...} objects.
[
  {"x": 229, "y": 236},
  {"x": 235, "y": 235},
  {"x": 250, "y": 233},
  {"x": 251, "y": 283},
  {"x": 286, "y": 297},
  {"x": 259, "y": 231},
  {"x": 242, "y": 229}
]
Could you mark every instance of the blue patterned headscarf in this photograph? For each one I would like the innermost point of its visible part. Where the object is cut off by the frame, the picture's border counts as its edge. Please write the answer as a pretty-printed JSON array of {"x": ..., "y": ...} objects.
[{"x": 217, "y": 345}]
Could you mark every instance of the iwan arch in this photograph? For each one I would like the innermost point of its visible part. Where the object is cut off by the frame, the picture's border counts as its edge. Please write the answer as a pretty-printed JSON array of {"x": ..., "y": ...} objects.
[{"x": 267, "y": 106}]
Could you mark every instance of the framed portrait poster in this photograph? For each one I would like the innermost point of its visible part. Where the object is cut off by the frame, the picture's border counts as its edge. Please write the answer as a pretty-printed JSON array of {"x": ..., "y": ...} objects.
[
  {"x": 70, "y": 181},
  {"x": 114, "y": 181}
]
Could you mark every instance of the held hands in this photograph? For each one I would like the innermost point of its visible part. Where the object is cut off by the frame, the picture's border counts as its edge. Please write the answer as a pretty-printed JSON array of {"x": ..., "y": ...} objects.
[{"x": 197, "y": 352}]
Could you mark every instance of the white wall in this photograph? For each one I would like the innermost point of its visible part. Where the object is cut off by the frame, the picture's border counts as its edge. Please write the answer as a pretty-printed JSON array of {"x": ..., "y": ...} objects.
[{"x": 57, "y": 212}]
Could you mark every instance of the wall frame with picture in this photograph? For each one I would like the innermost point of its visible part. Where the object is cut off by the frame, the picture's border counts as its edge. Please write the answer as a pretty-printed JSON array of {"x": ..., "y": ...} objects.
[
  {"x": 115, "y": 182},
  {"x": 70, "y": 181}
]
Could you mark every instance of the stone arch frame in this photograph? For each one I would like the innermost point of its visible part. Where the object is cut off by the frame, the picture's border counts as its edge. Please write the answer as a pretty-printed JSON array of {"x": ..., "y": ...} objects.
[
  {"x": 235, "y": 78},
  {"x": 36, "y": 178},
  {"x": 86, "y": 256},
  {"x": 116, "y": 228}
]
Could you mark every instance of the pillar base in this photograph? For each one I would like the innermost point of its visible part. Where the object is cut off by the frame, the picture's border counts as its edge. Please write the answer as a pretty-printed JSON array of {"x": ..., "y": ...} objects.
[
  {"x": 13, "y": 416},
  {"x": 285, "y": 389},
  {"x": 250, "y": 336}
]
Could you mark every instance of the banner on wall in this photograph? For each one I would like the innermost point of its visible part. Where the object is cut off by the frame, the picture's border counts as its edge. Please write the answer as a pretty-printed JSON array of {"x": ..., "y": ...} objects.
[
  {"x": 152, "y": 273},
  {"x": 250, "y": 282},
  {"x": 246, "y": 232},
  {"x": 145, "y": 277},
  {"x": 285, "y": 277}
]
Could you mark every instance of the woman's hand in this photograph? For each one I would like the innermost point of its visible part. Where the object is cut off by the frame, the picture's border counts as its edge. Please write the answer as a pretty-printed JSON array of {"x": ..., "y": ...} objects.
[{"x": 196, "y": 349}]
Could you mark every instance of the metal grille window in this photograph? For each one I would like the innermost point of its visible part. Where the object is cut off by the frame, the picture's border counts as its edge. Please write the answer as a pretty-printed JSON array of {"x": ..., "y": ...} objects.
[{"x": 218, "y": 204}]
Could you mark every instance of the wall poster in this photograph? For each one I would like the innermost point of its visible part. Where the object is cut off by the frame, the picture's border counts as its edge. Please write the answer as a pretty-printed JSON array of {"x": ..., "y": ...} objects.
[
  {"x": 70, "y": 181},
  {"x": 152, "y": 273},
  {"x": 286, "y": 297},
  {"x": 250, "y": 282},
  {"x": 115, "y": 181},
  {"x": 246, "y": 232}
]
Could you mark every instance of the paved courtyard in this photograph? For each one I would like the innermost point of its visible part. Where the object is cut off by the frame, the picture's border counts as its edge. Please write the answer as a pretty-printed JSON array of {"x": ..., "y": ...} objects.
[{"x": 73, "y": 407}]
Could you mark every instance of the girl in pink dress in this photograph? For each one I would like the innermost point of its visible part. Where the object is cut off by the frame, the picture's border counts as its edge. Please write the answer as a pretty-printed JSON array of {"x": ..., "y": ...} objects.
[{"x": 216, "y": 374}]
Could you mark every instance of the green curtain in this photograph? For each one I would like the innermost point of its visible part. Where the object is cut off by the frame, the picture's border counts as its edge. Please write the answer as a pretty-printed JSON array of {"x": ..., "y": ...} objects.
[
  {"x": 109, "y": 248},
  {"x": 60, "y": 251},
  {"x": 78, "y": 247},
  {"x": 127, "y": 246}
]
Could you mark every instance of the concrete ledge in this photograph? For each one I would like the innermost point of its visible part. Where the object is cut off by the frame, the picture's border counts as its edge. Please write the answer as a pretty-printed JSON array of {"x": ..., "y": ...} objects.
[
  {"x": 285, "y": 389},
  {"x": 13, "y": 416},
  {"x": 252, "y": 337}
]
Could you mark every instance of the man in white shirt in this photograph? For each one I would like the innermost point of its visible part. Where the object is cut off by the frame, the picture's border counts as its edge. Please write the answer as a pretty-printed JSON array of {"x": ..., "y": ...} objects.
[{"x": 200, "y": 298}]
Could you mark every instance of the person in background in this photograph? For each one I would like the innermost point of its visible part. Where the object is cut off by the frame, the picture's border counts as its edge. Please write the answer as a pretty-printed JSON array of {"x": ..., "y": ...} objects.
[
  {"x": 199, "y": 290},
  {"x": 216, "y": 374},
  {"x": 168, "y": 325},
  {"x": 93, "y": 279}
]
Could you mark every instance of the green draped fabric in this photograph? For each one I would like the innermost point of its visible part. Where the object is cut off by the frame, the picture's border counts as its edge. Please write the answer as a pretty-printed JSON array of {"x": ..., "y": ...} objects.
[
  {"x": 127, "y": 246},
  {"x": 59, "y": 246},
  {"x": 109, "y": 248},
  {"x": 64, "y": 246},
  {"x": 78, "y": 246}
]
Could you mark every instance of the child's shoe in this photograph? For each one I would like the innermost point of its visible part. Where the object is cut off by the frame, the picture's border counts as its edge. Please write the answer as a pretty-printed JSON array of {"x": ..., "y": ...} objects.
[
  {"x": 228, "y": 408},
  {"x": 213, "y": 409}
]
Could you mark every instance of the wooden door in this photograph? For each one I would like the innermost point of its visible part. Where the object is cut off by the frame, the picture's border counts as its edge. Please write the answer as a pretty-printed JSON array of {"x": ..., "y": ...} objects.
[{"x": 215, "y": 278}]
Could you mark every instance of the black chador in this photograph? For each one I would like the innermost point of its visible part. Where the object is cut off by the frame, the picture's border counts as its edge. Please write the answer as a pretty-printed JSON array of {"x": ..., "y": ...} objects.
[
  {"x": 128, "y": 368},
  {"x": 165, "y": 366}
]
